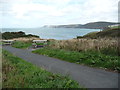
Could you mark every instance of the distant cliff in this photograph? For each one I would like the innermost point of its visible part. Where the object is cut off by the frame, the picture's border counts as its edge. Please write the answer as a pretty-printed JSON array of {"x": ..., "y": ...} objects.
[{"x": 92, "y": 25}]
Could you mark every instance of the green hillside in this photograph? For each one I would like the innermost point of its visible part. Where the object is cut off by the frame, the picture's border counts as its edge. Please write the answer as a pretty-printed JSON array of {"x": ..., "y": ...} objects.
[
  {"x": 91, "y": 25},
  {"x": 108, "y": 32}
]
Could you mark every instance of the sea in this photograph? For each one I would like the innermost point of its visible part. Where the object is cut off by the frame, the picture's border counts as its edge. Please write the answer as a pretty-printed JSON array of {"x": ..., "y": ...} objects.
[{"x": 53, "y": 33}]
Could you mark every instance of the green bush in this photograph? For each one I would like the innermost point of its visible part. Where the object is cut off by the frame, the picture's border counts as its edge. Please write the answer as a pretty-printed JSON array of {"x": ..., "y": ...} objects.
[
  {"x": 11, "y": 35},
  {"x": 110, "y": 51}
]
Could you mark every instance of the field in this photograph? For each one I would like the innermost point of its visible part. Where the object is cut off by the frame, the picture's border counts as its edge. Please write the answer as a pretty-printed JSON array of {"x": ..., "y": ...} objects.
[{"x": 18, "y": 73}]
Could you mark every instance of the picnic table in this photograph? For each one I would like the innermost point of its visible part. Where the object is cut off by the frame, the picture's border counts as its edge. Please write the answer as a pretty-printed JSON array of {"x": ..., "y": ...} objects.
[{"x": 39, "y": 43}]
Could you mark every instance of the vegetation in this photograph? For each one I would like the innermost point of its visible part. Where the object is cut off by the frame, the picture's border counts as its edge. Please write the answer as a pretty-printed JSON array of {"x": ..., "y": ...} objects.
[
  {"x": 113, "y": 32},
  {"x": 18, "y": 73},
  {"x": 40, "y": 44},
  {"x": 91, "y": 25},
  {"x": 0, "y": 67},
  {"x": 0, "y": 43},
  {"x": 90, "y": 35},
  {"x": 91, "y": 58},
  {"x": 97, "y": 49},
  {"x": 115, "y": 27},
  {"x": 22, "y": 44},
  {"x": 104, "y": 45},
  {"x": 11, "y": 35}
]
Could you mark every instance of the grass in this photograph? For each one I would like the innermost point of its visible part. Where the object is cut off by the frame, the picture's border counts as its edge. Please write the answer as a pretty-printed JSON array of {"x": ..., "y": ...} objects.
[
  {"x": 18, "y": 73},
  {"x": 22, "y": 44},
  {"x": 0, "y": 68},
  {"x": 90, "y": 35},
  {"x": 115, "y": 27},
  {"x": 90, "y": 58},
  {"x": 41, "y": 44},
  {"x": 104, "y": 45},
  {"x": 112, "y": 32}
]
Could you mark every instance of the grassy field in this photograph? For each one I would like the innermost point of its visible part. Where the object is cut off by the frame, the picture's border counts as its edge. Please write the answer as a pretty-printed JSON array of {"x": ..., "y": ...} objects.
[
  {"x": 90, "y": 58},
  {"x": 22, "y": 44},
  {"x": 18, "y": 73}
]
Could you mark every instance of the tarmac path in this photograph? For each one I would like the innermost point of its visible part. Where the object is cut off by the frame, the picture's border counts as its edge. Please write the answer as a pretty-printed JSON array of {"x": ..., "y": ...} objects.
[{"x": 86, "y": 76}]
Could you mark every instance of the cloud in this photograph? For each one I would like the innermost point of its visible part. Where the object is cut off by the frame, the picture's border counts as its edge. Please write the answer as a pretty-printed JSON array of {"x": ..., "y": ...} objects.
[
  {"x": 22, "y": 9},
  {"x": 58, "y": 11}
]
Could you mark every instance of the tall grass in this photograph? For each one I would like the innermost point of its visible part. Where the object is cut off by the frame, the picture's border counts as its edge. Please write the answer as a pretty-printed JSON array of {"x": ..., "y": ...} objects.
[
  {"x": 25, "y": 39},
  {"x": 103, "y": 45}
]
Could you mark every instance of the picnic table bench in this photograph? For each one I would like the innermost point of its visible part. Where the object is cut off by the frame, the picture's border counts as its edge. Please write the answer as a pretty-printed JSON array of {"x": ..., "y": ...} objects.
[{"x": 39, "y": 43}]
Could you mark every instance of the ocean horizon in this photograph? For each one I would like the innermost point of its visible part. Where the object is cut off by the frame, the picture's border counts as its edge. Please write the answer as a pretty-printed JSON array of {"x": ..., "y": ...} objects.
[{"x": 53, "y": 33}]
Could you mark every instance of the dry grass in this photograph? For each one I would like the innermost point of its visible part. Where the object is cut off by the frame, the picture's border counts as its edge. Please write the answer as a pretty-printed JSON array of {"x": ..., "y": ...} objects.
[
  {"x": 26, "y": 39},
  {"x": 85, "y": 44}
]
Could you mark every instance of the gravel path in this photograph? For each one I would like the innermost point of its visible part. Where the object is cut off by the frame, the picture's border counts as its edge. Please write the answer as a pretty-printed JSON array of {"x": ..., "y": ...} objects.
[{"x": 86, "y": 76}]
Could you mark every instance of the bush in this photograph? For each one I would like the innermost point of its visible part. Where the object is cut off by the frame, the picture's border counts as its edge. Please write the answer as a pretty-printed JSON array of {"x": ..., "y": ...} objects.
[{"x": 11, "y": 35}]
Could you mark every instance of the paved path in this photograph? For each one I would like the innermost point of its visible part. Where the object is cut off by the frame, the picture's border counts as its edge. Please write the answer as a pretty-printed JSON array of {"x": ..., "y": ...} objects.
[{"x": 86, "y": 76}]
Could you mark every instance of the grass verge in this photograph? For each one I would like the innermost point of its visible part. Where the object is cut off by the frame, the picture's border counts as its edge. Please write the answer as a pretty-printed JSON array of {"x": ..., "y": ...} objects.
[
  {"x": 21, "y": 44},
  {"x": 90, "y": 58},
  {"x": 18, "y": 73}
]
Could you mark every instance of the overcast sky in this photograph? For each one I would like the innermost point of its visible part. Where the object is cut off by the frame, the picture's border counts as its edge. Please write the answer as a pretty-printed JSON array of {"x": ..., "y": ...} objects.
[{"x": 36, "y": 13}]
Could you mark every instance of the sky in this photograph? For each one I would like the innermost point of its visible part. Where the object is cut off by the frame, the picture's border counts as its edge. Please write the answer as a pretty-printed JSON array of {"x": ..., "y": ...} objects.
[{"x": 37, "y": 13}]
